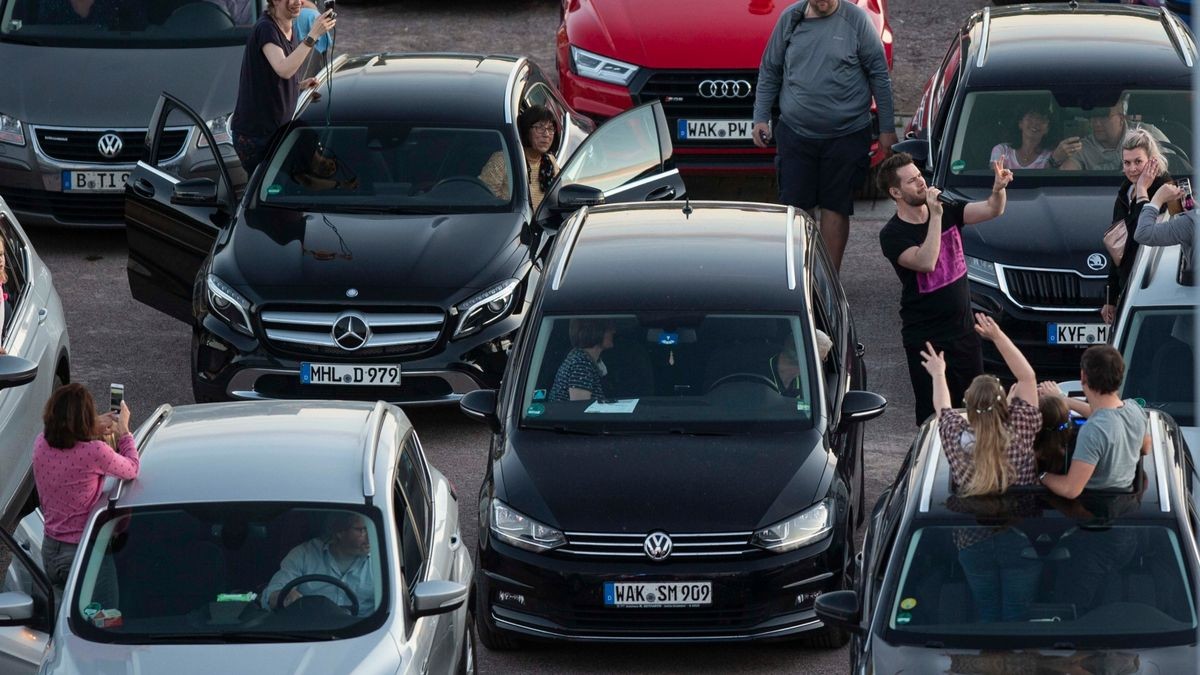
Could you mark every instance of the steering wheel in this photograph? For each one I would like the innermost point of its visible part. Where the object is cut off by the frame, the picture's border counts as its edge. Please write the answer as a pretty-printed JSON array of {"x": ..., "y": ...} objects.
[
  {"x": 468, "y": 180},
  {"x": 1178, "y": 152},
  {"x": 757, "y": 378},
  {"x": 304, "y": 579}
]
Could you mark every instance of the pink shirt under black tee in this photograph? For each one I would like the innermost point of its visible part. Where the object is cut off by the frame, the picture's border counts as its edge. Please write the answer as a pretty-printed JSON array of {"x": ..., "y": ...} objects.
[{"x": 69, "y": 481}]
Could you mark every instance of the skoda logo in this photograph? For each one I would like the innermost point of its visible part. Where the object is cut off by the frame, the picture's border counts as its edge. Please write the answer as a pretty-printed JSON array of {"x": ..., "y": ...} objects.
[
  {"x": 657, "y": 546},
  {"x": 1097, "y": 261},
  {"x": 725, "y": 89},
  {"x": 350, "y": 331},
  {"x": 109, "y": 145}
]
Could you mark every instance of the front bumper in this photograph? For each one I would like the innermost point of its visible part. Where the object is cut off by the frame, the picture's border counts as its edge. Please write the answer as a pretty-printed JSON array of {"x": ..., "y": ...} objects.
[{"x": 553, "y": 596}]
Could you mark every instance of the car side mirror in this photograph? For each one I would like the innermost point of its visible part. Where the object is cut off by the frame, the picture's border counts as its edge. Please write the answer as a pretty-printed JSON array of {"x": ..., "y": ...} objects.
[
  {"x": 917, "y": 147},
  {"x": 480, "y": 405},
  {"x": 195, "y": 192},
  {"x": 437, "y": 597},
  {"x": 16, "y": 608},
  {"x": 840, "y": 609},
  {"x": 575, "y": 196},
  {"x": 860, "y": 406},
  {"x": 16, "y": 371}
]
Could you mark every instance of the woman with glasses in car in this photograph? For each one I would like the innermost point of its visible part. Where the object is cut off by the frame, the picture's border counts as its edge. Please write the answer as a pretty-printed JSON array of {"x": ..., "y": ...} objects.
[{"x": 539, "y": 133}]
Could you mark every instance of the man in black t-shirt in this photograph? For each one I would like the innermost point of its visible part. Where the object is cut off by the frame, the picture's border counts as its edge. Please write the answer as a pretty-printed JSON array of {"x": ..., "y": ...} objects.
[{"x": 924, "y": 245}]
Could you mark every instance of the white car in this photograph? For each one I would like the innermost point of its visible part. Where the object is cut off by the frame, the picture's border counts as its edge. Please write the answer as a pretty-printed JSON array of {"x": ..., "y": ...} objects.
[{"x": 34, "y": 329}]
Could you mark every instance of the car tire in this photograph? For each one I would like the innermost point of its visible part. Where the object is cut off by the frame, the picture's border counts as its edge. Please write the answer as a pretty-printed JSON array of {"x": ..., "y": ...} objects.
[
  {"x": 467, "y": 661},
  {"x": 490, "y": 637}
]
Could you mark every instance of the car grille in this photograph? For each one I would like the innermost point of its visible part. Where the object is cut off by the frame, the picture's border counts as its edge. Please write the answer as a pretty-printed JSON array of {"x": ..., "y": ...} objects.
[
  {"x": 106, "y": 208},
  {"x": 1054, "y": 289},
  {"x": 394, "y": 331},
  {"x": 80, "y": 145},
  {"x": 679, "y": 91},
  {"x": 664, "y": 620},
  {"x": 708, "y": 545}
]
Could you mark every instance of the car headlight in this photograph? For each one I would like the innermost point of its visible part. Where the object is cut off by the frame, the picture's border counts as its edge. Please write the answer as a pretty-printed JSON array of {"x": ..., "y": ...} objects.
[
  {"x": 485, "y": 307},
  {"x": 11, "y": 130},
  {"x": 228, "y": 304},
  {"x": 601, "y": 68},
  {"x": 810, "y": 525},
  {"x": 222, "y": 134},
  {"x": 521, "y": 531},
  {"x": 983, "y": 271}
]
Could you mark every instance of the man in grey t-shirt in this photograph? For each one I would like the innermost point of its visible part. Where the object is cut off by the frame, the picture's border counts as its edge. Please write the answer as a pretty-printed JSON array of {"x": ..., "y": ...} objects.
[{"x": 1115, "y": 436}]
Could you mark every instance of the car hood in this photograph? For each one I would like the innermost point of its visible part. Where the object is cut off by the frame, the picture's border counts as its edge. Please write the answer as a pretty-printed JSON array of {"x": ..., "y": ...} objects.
[
  {"x": 73, "y": 656},
  {"x": 683, "y": 33},
  {"x": 272, "y": 252},
  {"x": 1055, "y": 228},
  {"x": 90, "y": 87},
  {"x": 890, "y": 659},
  {"x": 637, "y": 484}
]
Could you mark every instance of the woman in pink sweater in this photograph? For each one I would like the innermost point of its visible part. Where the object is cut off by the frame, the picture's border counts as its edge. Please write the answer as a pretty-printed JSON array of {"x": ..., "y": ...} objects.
[{"x": 69, "y": 465}]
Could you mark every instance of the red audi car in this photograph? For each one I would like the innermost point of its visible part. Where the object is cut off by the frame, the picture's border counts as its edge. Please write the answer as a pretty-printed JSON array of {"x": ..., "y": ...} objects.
[{"x": 700, "y": 58}]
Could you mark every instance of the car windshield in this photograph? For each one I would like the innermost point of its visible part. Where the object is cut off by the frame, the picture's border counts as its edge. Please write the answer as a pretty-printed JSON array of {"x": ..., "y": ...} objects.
[
  {"x": 126, "y": 24},
  {"x": 1024, "y": 127},
  {"x": 1159, "y": 350},
  {"x": 389, "y": 167},
  {"x": 669, "y": 372},
  {"x": 1005, "y": 581},
  {"x": 207, "y": 573}
]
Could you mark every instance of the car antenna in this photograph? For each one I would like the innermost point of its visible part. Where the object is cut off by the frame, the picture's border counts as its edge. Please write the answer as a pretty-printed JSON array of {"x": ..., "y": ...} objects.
[{"x": 687, "y": 206}]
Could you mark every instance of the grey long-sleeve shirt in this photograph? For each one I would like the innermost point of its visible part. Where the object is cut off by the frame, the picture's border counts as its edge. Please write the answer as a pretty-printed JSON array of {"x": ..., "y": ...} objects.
[
  {"x": 825, "y": 80},
  {"x": 1178, "y": 229}
]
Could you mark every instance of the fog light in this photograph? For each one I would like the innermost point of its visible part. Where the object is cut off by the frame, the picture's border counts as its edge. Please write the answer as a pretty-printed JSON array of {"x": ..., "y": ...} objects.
[
  {"x": 807, "y": 599},
  {"x": 515, "y": 598}
]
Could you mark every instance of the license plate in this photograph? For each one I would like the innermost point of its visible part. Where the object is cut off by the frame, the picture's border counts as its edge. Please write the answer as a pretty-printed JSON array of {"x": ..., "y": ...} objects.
[
  {"x": 658, "y": 594},
  {"x": 718, "y": 129},
  {"x": 341, "y": 373},
  {"x": 1076, "y": 333},
  {"x": 94, "y": 181}
]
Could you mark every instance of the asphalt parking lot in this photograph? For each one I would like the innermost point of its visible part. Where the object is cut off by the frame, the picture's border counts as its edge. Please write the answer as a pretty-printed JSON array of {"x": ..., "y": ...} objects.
[{"x": 115, "y": 339}]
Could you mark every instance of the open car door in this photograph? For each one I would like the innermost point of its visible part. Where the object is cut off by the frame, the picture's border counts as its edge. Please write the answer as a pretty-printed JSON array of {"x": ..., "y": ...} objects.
[
  {"x": 27, "y": 603},
  {"x": 628, "y": 159},
  {"x": 173, "y": 213}
]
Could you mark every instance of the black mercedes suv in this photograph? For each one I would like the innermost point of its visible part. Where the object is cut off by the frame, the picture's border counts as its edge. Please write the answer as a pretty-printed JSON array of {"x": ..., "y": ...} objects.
[
  {"x": 707, "y": 485},
  {"x": 1091, "y": 72},
  {"x": 1026, "y": 581},
  {"x": 366, "y": 258}
]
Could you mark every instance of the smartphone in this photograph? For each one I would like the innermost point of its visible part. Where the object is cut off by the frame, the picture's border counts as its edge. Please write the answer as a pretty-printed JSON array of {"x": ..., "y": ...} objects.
[
  {"x": 330, "y": 5},
  {"x": 1081, "y": 128},
  {"x": 1188, "y": 201},
  {"x": 116, "y": 394}
]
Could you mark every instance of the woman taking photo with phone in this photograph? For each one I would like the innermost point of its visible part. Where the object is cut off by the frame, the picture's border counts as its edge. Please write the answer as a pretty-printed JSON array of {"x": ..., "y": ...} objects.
[{"x": 70, "y": 462}]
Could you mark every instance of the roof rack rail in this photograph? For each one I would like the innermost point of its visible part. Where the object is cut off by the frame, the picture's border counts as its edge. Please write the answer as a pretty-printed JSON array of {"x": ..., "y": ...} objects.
[
  {"x": 1172, "y": 25},
  {"x": 931, "y": 463},
  {"x": 985, "y": 34},
  {"x": 144, "y": 432},
  {"x": 1157, "y": 432},
  {"x": 370, "y": 446},
  {"x": 511, "y": 87},
  {"x": 790, "y": 253},
  {"x": 573, "y": 235}
]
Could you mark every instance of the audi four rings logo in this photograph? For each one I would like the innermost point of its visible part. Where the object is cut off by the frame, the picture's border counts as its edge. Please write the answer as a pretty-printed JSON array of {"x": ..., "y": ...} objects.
[
  {"x": 725, "y": 89},
  {"x": 351, "y": 331},
  {"x": 1097, "y": 261},
  {"x": 657, "y": 546},
  {"x": 109, "y": 145}
]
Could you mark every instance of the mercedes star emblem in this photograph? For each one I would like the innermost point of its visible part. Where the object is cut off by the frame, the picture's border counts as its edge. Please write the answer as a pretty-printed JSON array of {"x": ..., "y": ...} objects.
[
  {"x": 725, "y": 89},
  {"x": 657, "y": 546},
  {"x": 351, "y": 331},
  {"x": 110, "y": 145},
  {"x": 1097, "y": 261}
]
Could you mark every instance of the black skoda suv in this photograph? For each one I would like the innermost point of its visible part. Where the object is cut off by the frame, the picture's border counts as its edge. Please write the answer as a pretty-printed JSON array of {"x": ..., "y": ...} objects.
[{"x": 367, "y": 259}]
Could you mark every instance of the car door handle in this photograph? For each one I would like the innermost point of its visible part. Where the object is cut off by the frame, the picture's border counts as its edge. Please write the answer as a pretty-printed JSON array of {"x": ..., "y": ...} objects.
[
  {"x": 859, "y": 349},
  {"x": 43, "y": 314},
  {"x": 143, "y": 187},
  {"x": 662, "y": 193}
]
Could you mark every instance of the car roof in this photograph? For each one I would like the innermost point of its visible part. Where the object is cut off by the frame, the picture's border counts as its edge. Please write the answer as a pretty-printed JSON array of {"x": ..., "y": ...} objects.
[
  {"x": 932, "y": 495},
  {"x": 1103, "y": 45},
  {"x": 308, "y": 451},
  {"x": 676, "y": 256},
  {"x": 1155, "y": 280},
  {"x": 452, "y": 89}
]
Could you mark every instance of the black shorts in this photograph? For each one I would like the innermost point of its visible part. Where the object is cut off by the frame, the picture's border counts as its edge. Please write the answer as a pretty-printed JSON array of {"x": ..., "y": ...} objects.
[{"x": 821, "y": 172}]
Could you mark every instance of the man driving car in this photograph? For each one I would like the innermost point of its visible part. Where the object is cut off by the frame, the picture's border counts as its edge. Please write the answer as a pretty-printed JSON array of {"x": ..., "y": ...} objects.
[{"x": 345, "y": 555}]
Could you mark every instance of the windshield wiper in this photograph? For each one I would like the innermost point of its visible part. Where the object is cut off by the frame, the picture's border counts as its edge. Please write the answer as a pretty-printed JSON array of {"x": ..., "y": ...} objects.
[
  {"x": 561, "y": 429},
  {"x": 17, "y": 39}
]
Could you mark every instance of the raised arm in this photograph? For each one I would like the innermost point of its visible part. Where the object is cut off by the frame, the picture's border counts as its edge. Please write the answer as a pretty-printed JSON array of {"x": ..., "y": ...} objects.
[
  {"x": 1026, "y": 388},
  {"x": 993, "y": 206},
  {"x": 934, "y": 363},
  {"x": 288, "y": 65}
]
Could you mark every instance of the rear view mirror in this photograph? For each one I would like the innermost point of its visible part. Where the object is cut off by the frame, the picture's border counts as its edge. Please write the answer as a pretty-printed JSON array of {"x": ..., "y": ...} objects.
[
  {"x": 917, "y": 147},
  {"x": 195, "y": 192},
  {"x": 437, "y": 597},
  {"x": 480, "y": 405},
  {"x": 16, "y": 371},
  {"x": 860, "y": 406},
  {"x": 574, "y": 196},
  {"x": 840, "y": 609}
]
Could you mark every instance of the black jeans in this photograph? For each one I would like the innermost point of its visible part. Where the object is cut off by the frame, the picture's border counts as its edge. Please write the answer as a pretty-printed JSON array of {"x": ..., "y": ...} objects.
[
  {"x": 251, "y": 150},
  {"x": 964, "y": 360}
]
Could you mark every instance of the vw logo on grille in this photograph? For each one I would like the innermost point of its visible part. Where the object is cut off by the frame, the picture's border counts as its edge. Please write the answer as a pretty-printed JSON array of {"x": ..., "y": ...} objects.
[
  {"x": 1097, "y": 261},
  {"x": 657, "y": 546},
  {"x": 351, "y": 331},
  {"x": 725, "y": 89},
  {"x": 110, "y": 145}
]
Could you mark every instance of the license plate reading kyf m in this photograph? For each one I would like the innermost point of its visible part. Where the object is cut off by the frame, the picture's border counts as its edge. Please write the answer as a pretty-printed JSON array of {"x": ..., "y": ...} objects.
[{"x": 1076, "y": 333}]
